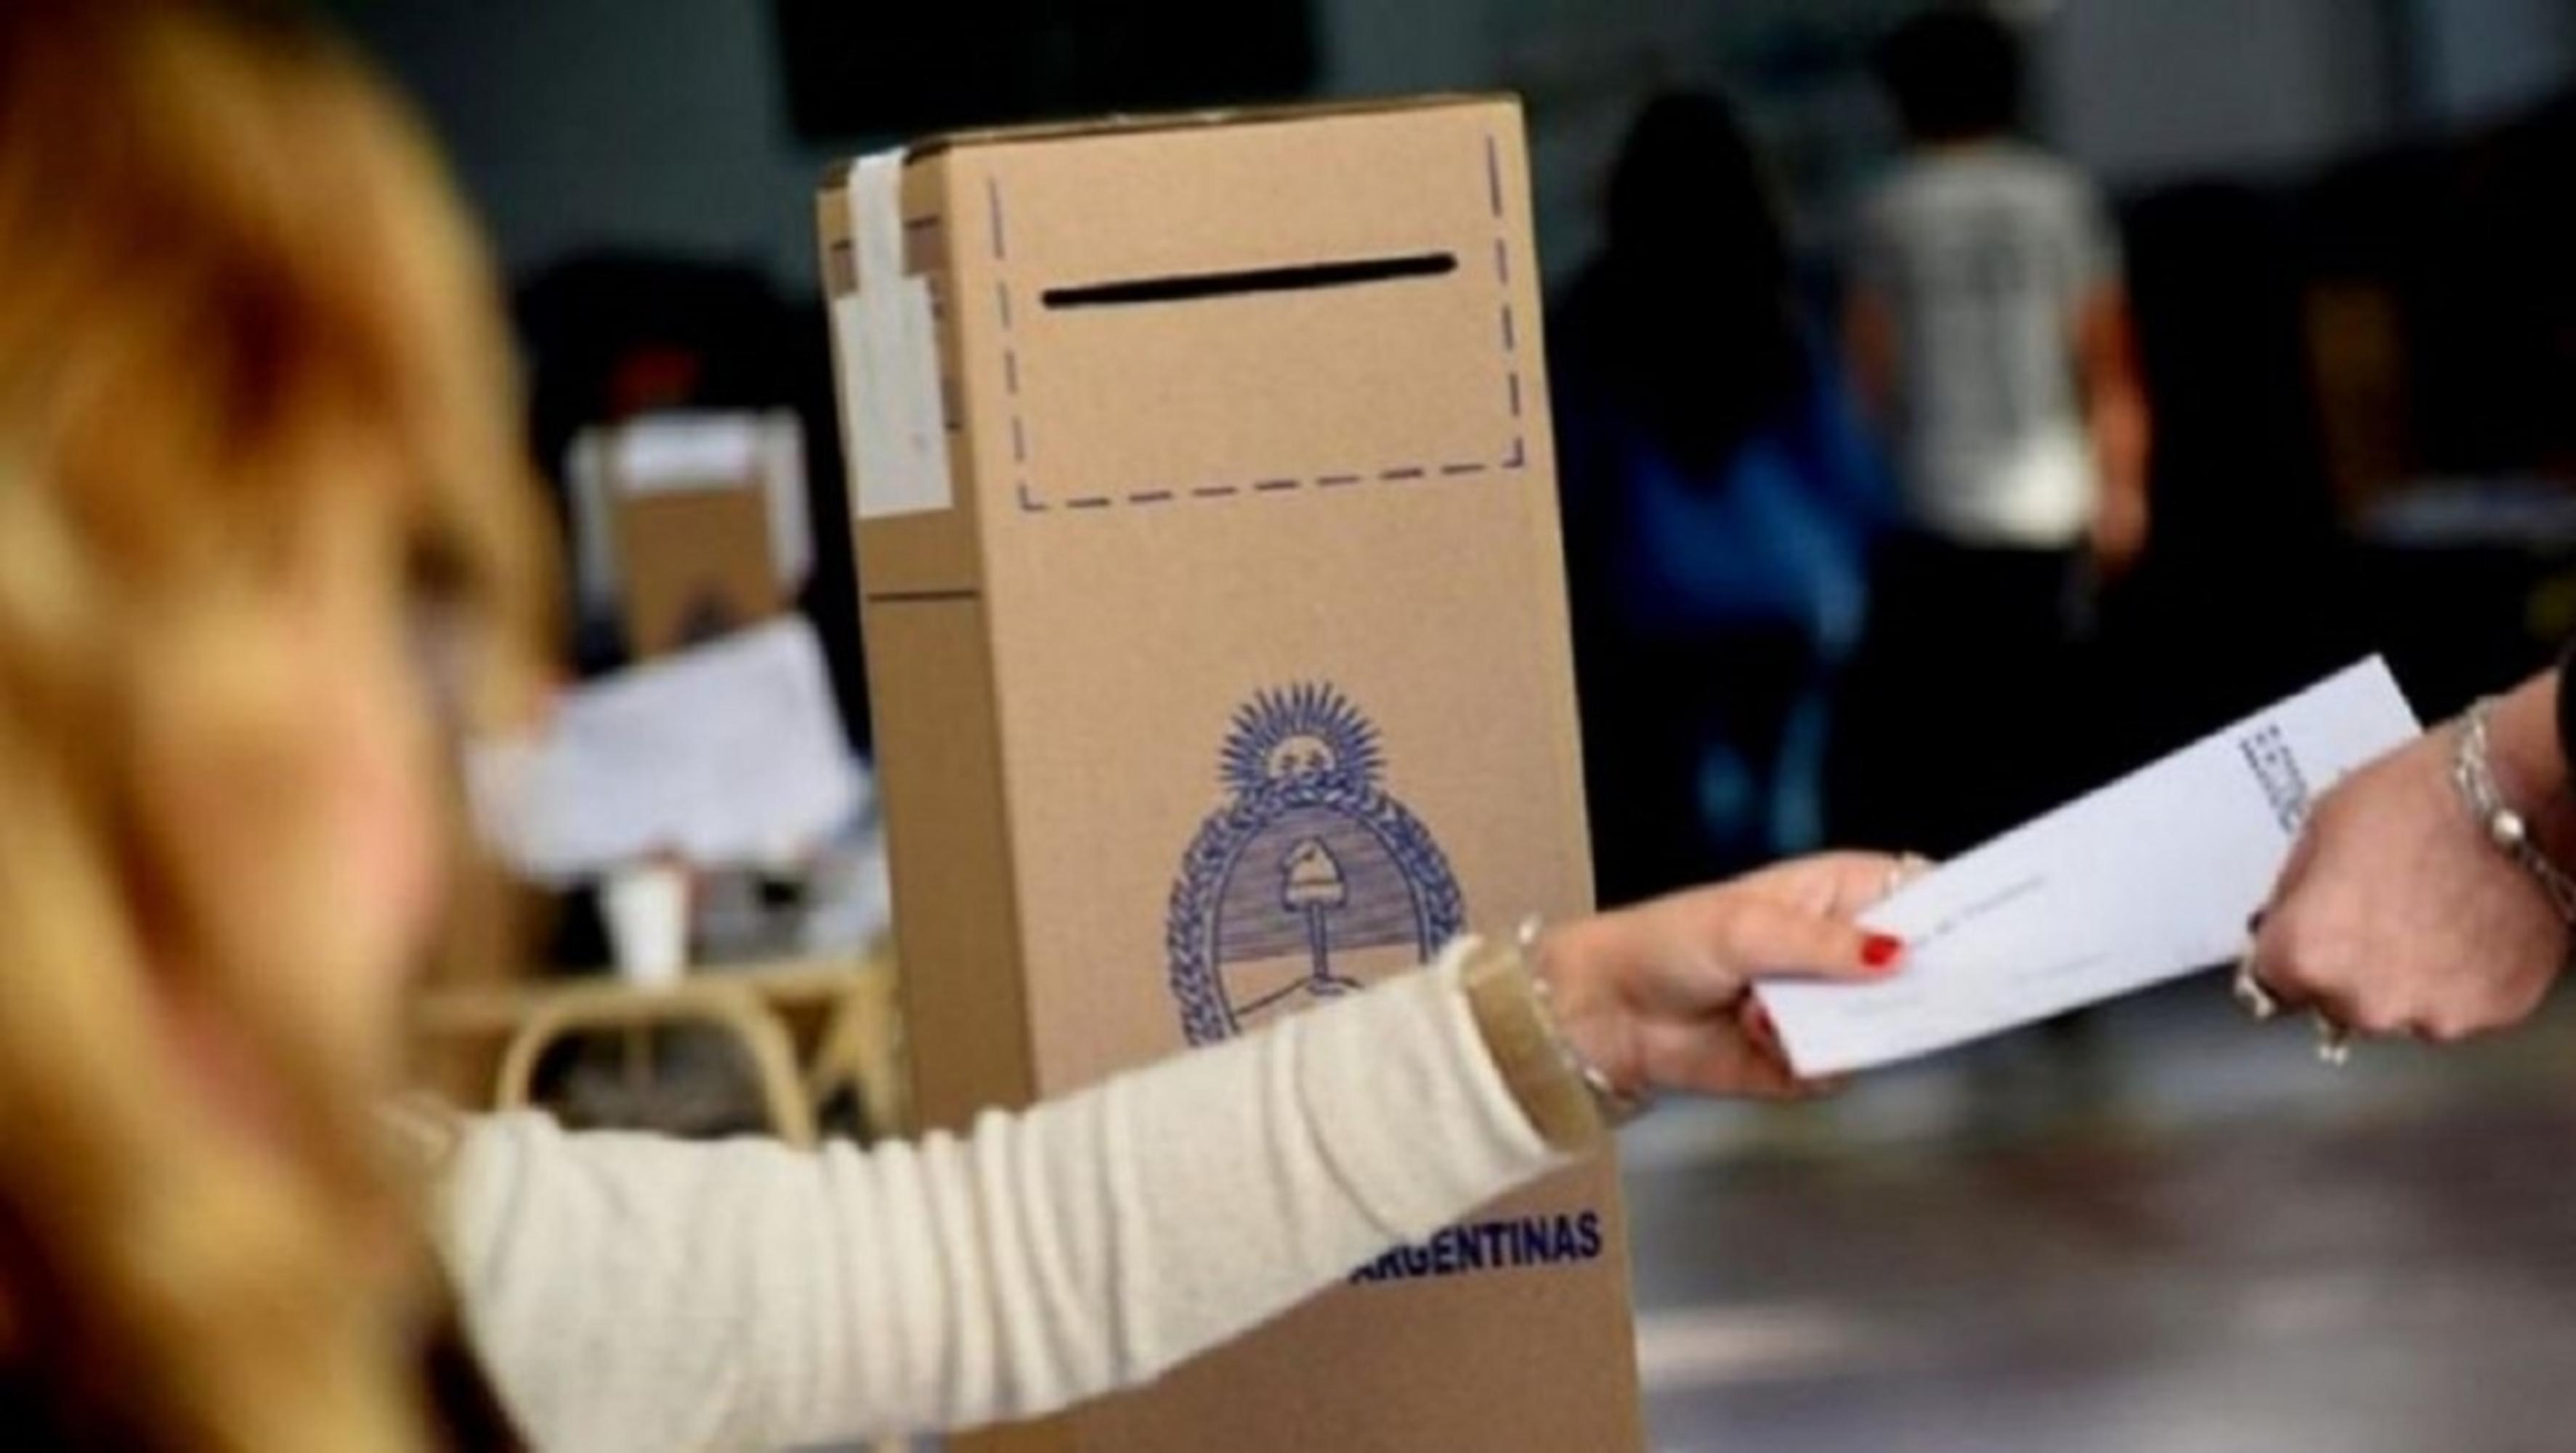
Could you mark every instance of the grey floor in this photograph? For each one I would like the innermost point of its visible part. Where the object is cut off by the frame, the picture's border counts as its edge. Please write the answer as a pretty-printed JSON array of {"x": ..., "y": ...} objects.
[{"x": 2172, "y": 1232}]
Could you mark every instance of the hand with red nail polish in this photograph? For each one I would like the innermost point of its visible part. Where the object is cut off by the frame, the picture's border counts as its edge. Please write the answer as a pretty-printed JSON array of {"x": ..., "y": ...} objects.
[{"x": 1658, "y": 996}]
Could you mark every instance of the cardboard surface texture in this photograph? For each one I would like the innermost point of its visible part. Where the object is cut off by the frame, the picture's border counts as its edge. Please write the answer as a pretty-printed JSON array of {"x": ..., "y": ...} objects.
[
  {"x": 690, "y": 526},
  {"x": 697, "y": 566},
  {"x": 1235, "y": 673}
]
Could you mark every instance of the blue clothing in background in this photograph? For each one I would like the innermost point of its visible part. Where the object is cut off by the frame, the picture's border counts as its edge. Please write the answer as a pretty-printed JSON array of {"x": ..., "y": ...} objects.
[
  {"x": 1776, "y": 534},
  {"x": 1714, "y": 604}
]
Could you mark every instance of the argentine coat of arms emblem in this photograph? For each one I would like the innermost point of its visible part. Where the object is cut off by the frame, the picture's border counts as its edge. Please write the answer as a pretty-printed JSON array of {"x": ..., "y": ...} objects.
[{"x": 1311, "y": 880}]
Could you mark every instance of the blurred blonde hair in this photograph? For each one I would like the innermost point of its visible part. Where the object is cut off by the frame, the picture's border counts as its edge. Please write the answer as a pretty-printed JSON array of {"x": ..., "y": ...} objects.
[{"x": 241, "y": 308}]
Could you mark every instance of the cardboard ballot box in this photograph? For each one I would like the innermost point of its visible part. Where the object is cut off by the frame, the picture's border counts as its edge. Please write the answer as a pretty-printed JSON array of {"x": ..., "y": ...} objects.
[
  {"x": 689, "y": 526},
  {"x": 1216, "y": 620}
]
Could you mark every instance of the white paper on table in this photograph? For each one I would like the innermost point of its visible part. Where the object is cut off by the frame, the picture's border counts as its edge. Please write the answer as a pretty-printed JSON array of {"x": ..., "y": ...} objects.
[
  {"x": 729, "y": 753},
  {"x": 2142, "y": 881}
]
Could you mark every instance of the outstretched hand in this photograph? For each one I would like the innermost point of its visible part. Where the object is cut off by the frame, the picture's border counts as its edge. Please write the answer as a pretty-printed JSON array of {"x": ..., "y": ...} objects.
[{"x": 1658, "y": 996}]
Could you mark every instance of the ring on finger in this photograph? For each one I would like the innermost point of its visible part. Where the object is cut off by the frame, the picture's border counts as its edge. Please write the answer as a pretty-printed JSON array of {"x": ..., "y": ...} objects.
[
  {"x": 2248, "y": 991},
  {"x": 1906, "y": 868},
  {"x": 2334, "y": 1041}
]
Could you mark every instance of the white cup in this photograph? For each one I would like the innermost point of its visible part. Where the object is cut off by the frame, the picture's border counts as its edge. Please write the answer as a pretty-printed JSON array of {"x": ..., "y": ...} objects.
[{"x": 647, "y": 908}]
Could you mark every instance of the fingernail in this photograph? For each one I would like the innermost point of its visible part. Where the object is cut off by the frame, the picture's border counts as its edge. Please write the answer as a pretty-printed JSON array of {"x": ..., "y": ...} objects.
[{"x": 1880, "y": 951}]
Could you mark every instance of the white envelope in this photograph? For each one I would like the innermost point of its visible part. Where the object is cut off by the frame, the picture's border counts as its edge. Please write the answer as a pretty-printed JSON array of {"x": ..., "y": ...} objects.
[{"x": 2142, "y": 881}]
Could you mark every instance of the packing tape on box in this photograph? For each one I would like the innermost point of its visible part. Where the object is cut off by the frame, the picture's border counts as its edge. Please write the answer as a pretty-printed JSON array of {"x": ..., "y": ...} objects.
[{"x": 890, "y": 407}]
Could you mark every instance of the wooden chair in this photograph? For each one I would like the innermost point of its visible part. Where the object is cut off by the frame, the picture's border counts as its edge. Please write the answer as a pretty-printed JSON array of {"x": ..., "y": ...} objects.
[{"x": 713, "y": 1001}]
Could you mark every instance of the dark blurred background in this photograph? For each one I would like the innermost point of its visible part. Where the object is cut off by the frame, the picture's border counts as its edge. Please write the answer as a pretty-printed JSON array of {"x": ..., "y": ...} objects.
[
  {"x": 2345, "y": 228},
  {"x": 2342, "y": 222}
]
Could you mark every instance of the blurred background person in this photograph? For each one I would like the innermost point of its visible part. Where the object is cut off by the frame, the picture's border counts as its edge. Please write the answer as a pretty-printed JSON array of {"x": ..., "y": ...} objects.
[
  {"x": 1990, "y": 330},
  {"x": 1720, "y": 495}
]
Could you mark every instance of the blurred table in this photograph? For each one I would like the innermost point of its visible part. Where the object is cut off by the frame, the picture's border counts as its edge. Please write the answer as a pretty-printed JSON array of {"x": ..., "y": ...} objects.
[{"x": 812, "y": 1029}]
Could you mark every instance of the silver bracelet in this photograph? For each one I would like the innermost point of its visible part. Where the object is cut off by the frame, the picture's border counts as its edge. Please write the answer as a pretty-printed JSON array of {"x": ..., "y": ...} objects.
[
  {"x": 2472, "y": 771},
  {"x": 1617, "y": 1106}
]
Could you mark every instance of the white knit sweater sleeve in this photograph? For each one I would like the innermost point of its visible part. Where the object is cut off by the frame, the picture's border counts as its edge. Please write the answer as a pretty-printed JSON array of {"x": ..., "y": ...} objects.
[{"x": 635, "y": 1293}]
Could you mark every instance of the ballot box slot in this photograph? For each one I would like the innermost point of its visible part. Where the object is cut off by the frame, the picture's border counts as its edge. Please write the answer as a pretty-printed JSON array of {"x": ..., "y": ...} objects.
[{"x": 1245, "y": 282}]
